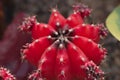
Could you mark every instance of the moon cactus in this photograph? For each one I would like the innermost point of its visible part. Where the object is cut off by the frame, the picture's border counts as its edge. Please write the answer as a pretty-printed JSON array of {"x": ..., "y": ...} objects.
[{"x": 65, "y": 49}]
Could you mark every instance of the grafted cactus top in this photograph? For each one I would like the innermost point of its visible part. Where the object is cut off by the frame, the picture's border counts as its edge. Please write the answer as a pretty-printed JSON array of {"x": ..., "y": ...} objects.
[{"x": 64, "y": 49}]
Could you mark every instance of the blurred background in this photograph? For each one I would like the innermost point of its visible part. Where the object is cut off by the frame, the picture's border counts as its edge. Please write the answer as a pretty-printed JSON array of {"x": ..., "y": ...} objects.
[{"x": 12, "y": 13}]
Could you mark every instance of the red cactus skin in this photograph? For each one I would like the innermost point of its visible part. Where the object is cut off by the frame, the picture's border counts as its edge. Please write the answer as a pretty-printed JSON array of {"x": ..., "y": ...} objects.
[
  {"x": 5, "y": 74},
  {"x": 64, "y": 49}
]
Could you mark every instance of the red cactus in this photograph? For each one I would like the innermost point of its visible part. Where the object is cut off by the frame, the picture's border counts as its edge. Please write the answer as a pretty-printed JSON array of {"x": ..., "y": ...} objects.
[
  {"x": 5, "y": 74},
  {"x": 64, "y": 49}
]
